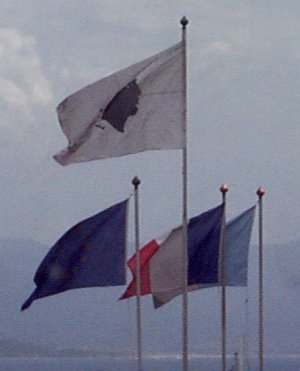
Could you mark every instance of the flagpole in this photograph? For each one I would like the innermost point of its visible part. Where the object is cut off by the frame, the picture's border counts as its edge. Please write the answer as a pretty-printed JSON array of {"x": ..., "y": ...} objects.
[
  {"x": 223, "y": 190},
  {"x": 136, "y": 182},
  {"x": 184, "y": 22},
  {"x": 260, "y": 193}
]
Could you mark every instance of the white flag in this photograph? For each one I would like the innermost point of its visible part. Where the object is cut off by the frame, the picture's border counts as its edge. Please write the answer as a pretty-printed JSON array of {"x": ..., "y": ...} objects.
[{"x": 136, "y": 109}]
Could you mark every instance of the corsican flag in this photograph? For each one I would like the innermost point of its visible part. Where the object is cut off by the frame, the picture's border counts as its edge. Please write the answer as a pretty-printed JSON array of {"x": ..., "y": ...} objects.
[
  {"x": 136, "y": 109},
  {"x": 92, "y": 253}
]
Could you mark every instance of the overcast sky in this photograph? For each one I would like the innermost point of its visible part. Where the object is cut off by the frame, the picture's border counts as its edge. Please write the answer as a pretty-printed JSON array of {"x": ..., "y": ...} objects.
[
  {"x": 243, "y": 128},
  {"x": 243, "y": 111}
]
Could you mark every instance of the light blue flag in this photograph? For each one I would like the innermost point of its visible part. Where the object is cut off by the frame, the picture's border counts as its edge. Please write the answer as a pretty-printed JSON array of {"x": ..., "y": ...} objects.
[{"x": 237, "y": 240}]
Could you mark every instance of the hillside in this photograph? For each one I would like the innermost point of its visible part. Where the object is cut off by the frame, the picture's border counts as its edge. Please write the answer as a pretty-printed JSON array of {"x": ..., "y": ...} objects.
[{"x": 95, "y": 319}]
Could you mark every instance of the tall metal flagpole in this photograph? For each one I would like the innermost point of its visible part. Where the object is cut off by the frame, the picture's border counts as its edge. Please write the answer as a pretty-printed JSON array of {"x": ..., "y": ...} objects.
[
  {"x": 260, "y": 193},
  {"x": 136, "y": 182},
  {"x": 184, "y": 22},
  {"x": 223, "y": 190}
]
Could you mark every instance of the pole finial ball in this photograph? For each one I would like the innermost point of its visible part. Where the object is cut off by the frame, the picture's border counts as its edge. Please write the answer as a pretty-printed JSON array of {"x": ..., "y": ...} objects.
[
  {"x": 136, "y": 181},
  {"x": 184, "y": 21},
  {"x": 260, "y": 192},
  {"x": 224, "y": 188}
]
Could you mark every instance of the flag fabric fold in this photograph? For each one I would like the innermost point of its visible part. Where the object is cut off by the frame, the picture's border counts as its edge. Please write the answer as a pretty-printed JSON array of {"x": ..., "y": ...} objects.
[
  {"x": 146, "y": 254},
  {"x": 135, "y": 109},
  {"x": 90, "y": 254}
]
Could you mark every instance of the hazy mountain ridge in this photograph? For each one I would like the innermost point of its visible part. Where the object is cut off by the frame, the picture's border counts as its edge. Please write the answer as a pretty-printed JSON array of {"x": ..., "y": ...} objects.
[
  {"x": 80, "y": 320},
  {"x": 17, "y": 348}
]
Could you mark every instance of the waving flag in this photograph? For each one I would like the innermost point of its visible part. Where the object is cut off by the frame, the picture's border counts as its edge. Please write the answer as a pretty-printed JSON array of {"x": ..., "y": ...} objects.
[
  {"x": 136, "y": 109},
  {"x": 161, "y": 259},
  {"x": 145, "y": 255},
  {"x": 204, "y": 232},
  {"x": 237, "y": 240},
  {"x": 92, "y": 253},
  {"x": 161, "y": 269}
]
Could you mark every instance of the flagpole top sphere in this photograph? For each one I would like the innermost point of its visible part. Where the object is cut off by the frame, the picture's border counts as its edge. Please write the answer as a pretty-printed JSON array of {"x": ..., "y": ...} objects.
[
  {"x": 260, "y": 192},
  {"x": 136, "y": 181},
  {"x": 224, "y": 188},
  {"x": 184, "y": 22}
]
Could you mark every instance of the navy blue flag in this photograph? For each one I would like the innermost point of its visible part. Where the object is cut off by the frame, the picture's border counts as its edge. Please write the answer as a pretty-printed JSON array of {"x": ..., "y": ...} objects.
[
  {"x": 204, "y": 232},
  {"x": 92, "y": 253}
]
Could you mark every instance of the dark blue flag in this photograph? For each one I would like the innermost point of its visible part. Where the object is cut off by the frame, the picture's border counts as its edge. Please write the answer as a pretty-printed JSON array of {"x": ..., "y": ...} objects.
[
  {"x": 92, "y": 253},
  {"x": 204, "y": 232}
]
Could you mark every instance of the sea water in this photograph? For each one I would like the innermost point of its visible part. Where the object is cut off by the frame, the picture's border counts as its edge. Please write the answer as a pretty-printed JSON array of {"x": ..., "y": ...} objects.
[{"x": 121, "y": 364}]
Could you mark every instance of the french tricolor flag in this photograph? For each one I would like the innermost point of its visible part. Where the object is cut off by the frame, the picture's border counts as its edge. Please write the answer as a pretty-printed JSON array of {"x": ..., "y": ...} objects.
[{"x": 161, "y": 259}]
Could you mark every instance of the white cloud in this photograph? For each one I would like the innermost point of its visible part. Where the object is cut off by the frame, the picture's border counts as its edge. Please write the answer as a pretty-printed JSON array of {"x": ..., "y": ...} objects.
[
  {"x": 12, "y": 93},
  {"x": 23, "y": 86}
]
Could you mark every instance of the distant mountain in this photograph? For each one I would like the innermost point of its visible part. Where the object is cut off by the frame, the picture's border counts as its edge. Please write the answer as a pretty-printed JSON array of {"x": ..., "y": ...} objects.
[
  {"x": 16, "y": 348},
  {"x": 95, "y": 319},
  {"x": 281, "y": 295}
]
